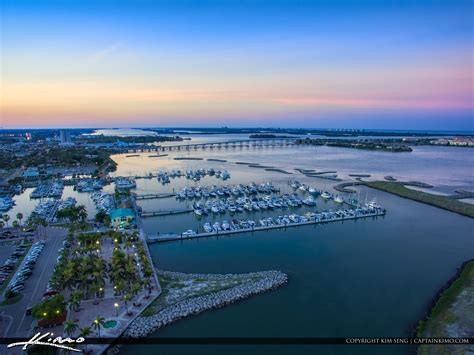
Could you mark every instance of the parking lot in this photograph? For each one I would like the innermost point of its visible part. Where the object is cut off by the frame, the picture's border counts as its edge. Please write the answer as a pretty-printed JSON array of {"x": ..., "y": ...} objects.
[{"x": 34, "y": 285}]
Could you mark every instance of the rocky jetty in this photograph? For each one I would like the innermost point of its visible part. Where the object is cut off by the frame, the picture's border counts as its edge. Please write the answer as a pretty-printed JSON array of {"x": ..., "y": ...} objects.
[{"x": 264, "y": 281}]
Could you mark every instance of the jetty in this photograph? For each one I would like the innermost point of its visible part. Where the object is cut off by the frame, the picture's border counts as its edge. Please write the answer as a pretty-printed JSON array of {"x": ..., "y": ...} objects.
[{"x": 172, "y": 237}]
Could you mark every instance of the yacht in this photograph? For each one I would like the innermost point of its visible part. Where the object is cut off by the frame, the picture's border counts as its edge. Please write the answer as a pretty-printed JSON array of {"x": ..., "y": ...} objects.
[
  {"x": 123, "y": 183},
  {"x": 326, "y": 195},
  {"x": 225, "y": 225},
  {"x": 338, "y": 199},
  {"x": 309, "y": 201},
  {"x": 207, "y": 227},
  {"x": 374, "y": 205}
]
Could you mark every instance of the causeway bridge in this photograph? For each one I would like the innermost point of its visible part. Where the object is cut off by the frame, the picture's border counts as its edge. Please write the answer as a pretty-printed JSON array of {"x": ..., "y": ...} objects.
[{"x": 248, "y": 143}]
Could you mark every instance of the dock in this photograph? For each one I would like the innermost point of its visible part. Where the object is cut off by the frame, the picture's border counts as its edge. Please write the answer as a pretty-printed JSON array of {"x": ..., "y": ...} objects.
[
  {"x": 153, "y": 196},
  {"x": 173, "y": 237},
  {"x": 145, "y": 214}
]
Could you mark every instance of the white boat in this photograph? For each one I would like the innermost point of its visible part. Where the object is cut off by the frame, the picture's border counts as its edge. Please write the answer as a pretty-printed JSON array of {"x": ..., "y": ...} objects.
[
  {"x": 309, "y": 201},
  {"x": 374, "y": 205},
  {"x": 188, "y": 233},
  {"x": 225, "y": 225},
  {"x": 216, "y": 226},
  {"x": 207, "y": 227},
  {"x": 326, "y": 195},
  {"x": 338, "y": 199}
]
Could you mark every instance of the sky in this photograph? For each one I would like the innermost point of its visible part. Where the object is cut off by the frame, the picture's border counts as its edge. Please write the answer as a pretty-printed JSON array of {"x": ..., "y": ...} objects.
[{"x": 312, "y": 64}]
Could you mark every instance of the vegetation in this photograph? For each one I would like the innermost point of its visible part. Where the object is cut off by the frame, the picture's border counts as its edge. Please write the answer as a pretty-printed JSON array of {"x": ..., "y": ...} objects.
[
  {"x": 132, "y": 139},
  {"x": 49, "y": 308},
  {"x": 56, "y": 157},
  {"x": 445, "y": 202},
  {"x": 73, "y": 213},
  {"x": 386, "y": 145},
  {"x": 102, "y": 217},
  {"x": 453, "y": 310}
]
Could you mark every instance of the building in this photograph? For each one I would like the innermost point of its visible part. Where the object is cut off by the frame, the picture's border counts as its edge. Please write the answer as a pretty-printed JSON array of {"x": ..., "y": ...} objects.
[
  {"x": 122, "y": 218},
  {"x": 31, "y": 173},
  {"x": 65, "y": 136}
]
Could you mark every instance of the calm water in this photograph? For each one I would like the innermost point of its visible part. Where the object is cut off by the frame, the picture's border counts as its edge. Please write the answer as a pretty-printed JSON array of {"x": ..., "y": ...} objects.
[{"x": 371, "y": 277}]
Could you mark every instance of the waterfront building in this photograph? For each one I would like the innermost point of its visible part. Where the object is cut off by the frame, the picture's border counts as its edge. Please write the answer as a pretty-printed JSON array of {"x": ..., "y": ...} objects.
[{"x": 122, "y": 218}]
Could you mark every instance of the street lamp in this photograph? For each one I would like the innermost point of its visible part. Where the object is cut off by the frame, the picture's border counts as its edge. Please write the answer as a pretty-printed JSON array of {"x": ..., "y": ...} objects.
[{"x": 116, "y": 305}]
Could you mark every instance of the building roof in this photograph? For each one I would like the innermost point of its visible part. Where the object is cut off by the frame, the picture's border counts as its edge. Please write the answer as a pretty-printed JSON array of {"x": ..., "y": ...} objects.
[{"x": 122, "y": 212}]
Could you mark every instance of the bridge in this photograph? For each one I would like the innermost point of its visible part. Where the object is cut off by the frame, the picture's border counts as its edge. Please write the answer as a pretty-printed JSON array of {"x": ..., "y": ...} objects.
[{"x": 248, "y": 143}]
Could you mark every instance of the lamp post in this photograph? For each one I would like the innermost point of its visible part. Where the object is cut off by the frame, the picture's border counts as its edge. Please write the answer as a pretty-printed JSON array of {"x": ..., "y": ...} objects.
[{"x": 116, "y": 305}]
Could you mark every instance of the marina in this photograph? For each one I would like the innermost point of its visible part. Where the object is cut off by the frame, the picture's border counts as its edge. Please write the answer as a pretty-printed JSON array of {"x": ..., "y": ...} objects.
[{"x": 245, "y": 226}]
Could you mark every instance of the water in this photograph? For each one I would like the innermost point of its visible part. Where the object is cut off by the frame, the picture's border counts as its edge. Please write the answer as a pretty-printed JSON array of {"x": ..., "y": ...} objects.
[{"x": 373, "y": 277}]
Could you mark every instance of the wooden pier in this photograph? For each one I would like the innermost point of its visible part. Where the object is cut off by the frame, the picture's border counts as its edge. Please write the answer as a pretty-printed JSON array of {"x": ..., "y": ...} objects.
[{"x": 173, "y": 237}]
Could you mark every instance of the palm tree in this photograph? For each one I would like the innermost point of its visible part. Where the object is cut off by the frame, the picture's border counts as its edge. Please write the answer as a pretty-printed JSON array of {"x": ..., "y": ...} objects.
[
  {"x": 84, "y": 332},
  {"x": 70, "y": 326},
  {"x": 98, "y": 324},
  {"x": 6, "y": 218},
  {"x": 19, "y": 216},
  {"x": 15, "y": 224},
  {"x": 1, "y": 224},
  {"x": 126, "y": 298},
  {"x": 73, "y": 304}
]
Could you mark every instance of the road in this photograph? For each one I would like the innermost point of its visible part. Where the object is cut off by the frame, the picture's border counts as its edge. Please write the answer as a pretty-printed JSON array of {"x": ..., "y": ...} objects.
[{"x": 35, "y": 286}]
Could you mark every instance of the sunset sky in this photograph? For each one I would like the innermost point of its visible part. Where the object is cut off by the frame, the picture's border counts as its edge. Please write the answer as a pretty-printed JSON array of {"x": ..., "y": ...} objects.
[{"x": 355, "y": 64}]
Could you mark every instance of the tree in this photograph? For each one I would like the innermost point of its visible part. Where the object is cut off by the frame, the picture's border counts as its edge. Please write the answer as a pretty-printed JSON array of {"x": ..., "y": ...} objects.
[
  {"x": 84, "y": 332},
  {"x": 98, "y": 324},
  {"x": 6, "y": 218},
  {"x": 19, "y": 216},
  {"x": 16, "y": 224},
  {"x": 70, "y": 326},
  {"x": 49, "y": 307},
  {"x": 1, "y": 224}
]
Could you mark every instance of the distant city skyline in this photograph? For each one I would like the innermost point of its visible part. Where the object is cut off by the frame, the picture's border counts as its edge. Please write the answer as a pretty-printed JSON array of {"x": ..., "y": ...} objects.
[{"x": 311, "y": 64}]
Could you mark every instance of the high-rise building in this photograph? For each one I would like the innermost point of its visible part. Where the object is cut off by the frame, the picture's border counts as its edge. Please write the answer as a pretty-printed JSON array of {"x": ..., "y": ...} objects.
[{"x": 65, "y": 136}]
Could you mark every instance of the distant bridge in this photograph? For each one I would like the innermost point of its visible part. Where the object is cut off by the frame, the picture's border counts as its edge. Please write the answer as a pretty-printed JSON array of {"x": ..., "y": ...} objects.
[{"x": 248, "y": 143}]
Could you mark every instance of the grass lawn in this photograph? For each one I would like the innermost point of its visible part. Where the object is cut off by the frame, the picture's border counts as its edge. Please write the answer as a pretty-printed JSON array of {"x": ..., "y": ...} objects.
[{"x": 447, "y": 203}]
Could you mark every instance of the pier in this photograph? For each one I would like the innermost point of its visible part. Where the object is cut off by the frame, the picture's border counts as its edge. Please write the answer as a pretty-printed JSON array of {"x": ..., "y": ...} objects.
[
  {"x": 172, "y": 237},
  {"x": 145, "y": 214},
  {"x": 153, "y": 196}
]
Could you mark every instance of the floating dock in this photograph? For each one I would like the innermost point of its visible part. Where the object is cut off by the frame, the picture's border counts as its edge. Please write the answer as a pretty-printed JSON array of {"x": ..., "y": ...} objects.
[{"x": 173, "y": 237}]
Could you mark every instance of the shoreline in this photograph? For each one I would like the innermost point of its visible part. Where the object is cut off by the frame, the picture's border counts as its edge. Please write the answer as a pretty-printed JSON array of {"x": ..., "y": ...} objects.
[
  {"x": 420, "y": 326},
  {"x": 439, "y": 201},
  {"x": 143, "y": 326}
]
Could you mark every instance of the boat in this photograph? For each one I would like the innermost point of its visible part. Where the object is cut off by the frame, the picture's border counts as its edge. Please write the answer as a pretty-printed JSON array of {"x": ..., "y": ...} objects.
[
  {"x": 207, "y": 227},
  {"x": 188, "y": 233},
  {"x": 326, "y": 195},
  {"x": 225, "y": 225},
  {"x": 338, "y": 199},
  {"x": 124, "y": 183},
  {"x": 374, "y": 205},
  {"x": 309, "y": 201},
  {"x": 216, "y": 226}
]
